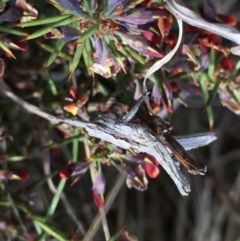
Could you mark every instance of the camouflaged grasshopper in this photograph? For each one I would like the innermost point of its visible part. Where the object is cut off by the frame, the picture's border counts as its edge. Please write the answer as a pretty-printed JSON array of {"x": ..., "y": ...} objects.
[
  {"x": 152, "y": 137},
  {"x": 163, "y": 130}
]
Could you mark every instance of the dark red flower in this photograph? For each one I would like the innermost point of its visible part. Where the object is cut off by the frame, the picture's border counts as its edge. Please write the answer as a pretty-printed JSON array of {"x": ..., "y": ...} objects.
[
  {"x": 174, "y": 86},
  {"x": 227, "y": 64},
  {"x": 98, "y": 199},
  {"x": 227, "y": 19},
  {"x": 149, "y": 163}
]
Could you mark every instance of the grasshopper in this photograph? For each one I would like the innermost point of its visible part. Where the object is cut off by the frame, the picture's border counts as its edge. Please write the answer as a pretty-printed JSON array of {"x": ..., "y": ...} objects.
[
  {"x": 163, "y": 130},
  {"x": 153, "y": 138}
]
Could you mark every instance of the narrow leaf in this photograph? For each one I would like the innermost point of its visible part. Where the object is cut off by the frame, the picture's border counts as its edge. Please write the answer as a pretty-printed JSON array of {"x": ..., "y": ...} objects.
[
  {"x": 56, "y": 233},
  {"x": 47, "y": 29},
  {"x": 87, "y": 53},
  {"x": 43, "y": 21},
  {"x": 12, "y": 31},
  {"x": 75, "y": 145},
  {"x": 134, "y": 54},
  {"x": 76, "y": 59},
  {"x": 211, "y": 66},
  {"x": 213, "y": 92},
  {"x": 115, "y": 52},
  {"x": 60, "y": 54},
  {"x": 16, "y": 158},
  {"x": 236, "y": 94},
  {"x": 65, "y": 141},
  {"x": 87, "y": 34},
  {"x": 116, "y": 236},
  {"x": 6, "y": 49},
  {"x": 59, "y": 45},
  {"x": 55, "y": 200},
  {"x": 205, "y": 93}
]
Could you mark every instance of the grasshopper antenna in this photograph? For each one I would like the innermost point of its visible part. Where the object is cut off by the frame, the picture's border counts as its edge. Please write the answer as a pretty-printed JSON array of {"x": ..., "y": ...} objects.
[
  {"x": 156, "y": 66},
  {"x": 146, "y": 96}
]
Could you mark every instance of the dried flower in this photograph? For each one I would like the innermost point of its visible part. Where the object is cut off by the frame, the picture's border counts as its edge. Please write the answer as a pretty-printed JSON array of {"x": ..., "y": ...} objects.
[
  {"x": 22, "y": 11},
  {"x": 66, "y": 33},
  {"x": 229, "y": 94},
  {"x": 136, "y": 178},
  {"x": 73, "y": 169},
  {"x": 75, "y": 107}
]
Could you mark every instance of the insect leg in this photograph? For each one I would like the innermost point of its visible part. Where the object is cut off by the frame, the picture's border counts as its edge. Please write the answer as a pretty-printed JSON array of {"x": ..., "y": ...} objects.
[{"x": 127, "y": 117}]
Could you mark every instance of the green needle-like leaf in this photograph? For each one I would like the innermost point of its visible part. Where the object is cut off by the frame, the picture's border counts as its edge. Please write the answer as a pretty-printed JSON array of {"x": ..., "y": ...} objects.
[
  {"x": 213, "y": 92},
  {"x": 47, "y": 29},
  {"x": 60, "y": 54},
  {"x": 76, "y": 59},
  {"x": 56, "y": 233},
  {"x": 211, "y": 65},
  {"x": 41, "y": 181},
  {"x": 16, "y": 158},
  {"x": 87, "y": 33},
  {"x": 43, "y": 21},
  {"x": 87, "y": 54},
  {"x": 75, "y": 145},
  {"x": 51, "y": 84},
  {"x": 135, "y": 55},
  {"x": 65, "y": 141},
  {"x": 115, "y": 52},
  {"x": 12, "y": 31},
  {"x": 49, "y": 229},
  {"x": 6, "y": 49},
  {"x": 235, "y": 70},
  {"x": 59, "y": 45},
  {"x": 62, "y": 182},
  {"x": 116, "y": 236},
  {"x": 236, "y": 95},
  {"x": 205, "y": 93},
  {"x": 56, "y": 198}
]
